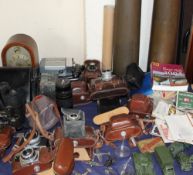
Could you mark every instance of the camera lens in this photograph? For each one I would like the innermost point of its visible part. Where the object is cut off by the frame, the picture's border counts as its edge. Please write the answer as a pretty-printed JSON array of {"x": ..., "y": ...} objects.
[
  {"x": 64, "y": 92},
  {"x": 91, "y": 67},
  {"x": 28, "y": 153},
  {"x": 73, "y": 116}
]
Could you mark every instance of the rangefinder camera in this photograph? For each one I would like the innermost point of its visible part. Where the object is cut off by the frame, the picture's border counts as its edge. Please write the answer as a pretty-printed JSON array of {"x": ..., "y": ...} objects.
[{"x": 36, "y": 157}]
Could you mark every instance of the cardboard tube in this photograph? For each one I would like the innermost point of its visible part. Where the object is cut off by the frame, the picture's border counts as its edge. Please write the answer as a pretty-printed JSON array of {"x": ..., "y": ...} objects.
[
  {"x": 126, "y": 34},
  {"x": 164, "y": 34},
  {"x": 108, "y": 37}
]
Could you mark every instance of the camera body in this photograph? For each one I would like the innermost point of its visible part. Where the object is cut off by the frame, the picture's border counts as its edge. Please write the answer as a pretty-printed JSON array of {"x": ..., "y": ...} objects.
[
  {"x": 53, "y": 70},
  {"x": 58, "y": 66},
  {"x": 107, "y": 86},
  {"x": 91, "y": 70},
  {"x": 35, "y": 157},
  {"x": 32, "y": 161},
  {"x": 74, "y": 123}
]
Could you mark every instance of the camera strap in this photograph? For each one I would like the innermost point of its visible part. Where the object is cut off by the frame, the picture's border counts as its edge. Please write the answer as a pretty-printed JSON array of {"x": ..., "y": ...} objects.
[
  {"x": 19, "y": 145},
  {"x": 35, "y": 117}
]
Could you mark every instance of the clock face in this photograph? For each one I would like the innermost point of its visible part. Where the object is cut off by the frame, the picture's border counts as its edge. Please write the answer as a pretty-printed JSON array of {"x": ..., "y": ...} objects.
[{"x": 18, "y": 56}]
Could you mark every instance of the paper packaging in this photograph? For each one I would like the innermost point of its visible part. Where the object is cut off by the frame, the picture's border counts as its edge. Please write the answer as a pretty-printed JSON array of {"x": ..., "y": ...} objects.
[
  {"x": 181, "y": 128},
  {"x": 108, "y": 37}
]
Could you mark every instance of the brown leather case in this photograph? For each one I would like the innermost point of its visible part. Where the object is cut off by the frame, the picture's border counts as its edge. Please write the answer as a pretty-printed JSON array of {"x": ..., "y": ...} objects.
[
  {"x": 164, "y": 34},
  {"x": 44, "y": 163},
  {"x": 92, "y": 70},
  {"x": 24, "y": 41},
  {"x": 64, "y": 161},
  {"x": 80, "y": 92},
  {"x": 119, "y": 123},
  {"x": 5, "y": 138},
  {"x": 88, "y": 141},
  {"x": 127, "y": 34},
  {"x": 101, "y": 89},
  {"x": 141, "y": 105}
]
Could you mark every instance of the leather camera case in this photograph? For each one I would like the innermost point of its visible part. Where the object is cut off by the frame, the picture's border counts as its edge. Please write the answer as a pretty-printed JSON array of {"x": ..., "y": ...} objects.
[
  {"x": 44, "y": 163},
  {"x": 80, "y": 92},
  {"x": 141, "y": 105},
  {"x": 101, "y": 89},
  {"x": 5, "y": 139},
  {"x": 120, "y": 123},
  {"x": 88, "y": 141},
  {"x": 64, "y": 158},
  {"x": 91, "y": 70}
]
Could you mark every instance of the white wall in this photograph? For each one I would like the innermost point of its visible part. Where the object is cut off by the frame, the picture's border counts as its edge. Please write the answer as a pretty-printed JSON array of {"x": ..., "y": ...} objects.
[
  {"x": 66, "y": 28},
  {"x": 146, "y": 21},
  {"x": 56, "y": 25}
]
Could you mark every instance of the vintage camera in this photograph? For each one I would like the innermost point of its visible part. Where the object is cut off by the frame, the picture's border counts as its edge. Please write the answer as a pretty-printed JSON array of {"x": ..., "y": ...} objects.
[
  {"x": 107, "y": 86},
  {"x": 58, "y": 66},
  {"x": 74, "y": 123},
  {"x": 54, "y": 70},
  {"x": 37, "y": 156},
  {"x": 12, "y": 106},
  {"x": 32, "y": 161},
  {"x": 91, "y": 70}
]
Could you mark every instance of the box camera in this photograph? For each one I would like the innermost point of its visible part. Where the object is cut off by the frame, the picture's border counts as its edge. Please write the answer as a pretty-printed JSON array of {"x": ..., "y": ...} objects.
[{"x": 74, "y": 123}]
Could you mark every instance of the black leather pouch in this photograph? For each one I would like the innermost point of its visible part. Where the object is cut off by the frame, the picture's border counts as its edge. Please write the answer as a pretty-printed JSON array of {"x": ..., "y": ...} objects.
[{"x": 134, "y": 76}]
